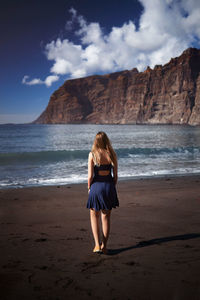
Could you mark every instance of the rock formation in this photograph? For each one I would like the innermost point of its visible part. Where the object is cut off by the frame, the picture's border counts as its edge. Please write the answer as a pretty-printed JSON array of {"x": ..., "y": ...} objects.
[{"x": 168, "y": 94}]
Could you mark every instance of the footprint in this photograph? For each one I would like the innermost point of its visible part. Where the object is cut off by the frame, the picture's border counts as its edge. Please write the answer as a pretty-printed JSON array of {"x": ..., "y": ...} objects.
[
  {"x": 12, "y": 264},
  {"x": 41, "y": 267},
  {"x": 188, "y": 246},
  {"x": 75, "y": 239},
  {"x": 26, "y": 239},
  {"x": 41, "y": 240},
  {"x": 69, "y": 281},
  {"x": 61, "y": 259},
  {"x": 30, "y": 277},
  {"x": 130, "y": 263},
  {"x": 37, "y": 288},
  {"x": 83, "y": 229},
  {"x": 56, "y": 226},
  {"x": 90, "y": 265}
]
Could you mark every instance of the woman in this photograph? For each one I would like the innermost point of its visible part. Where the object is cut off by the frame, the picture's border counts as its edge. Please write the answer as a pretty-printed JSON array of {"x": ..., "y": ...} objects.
[{"x": 101, "y": 188}]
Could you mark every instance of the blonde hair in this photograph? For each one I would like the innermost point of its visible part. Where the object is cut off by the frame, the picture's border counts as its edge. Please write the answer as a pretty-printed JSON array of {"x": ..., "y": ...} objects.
[{"x": 102, "y": 142}]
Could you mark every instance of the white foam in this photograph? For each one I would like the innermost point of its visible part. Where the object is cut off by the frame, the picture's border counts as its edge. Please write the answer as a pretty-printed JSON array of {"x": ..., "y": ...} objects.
[
  {"x": 83, "y": 179},
  {"x": 57, "y": 180}
]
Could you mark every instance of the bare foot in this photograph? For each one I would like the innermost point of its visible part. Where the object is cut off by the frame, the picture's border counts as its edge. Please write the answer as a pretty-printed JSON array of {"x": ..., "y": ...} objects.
[
  {"x": 97, "y": 249},
  {"x": 103, "y": 249}
]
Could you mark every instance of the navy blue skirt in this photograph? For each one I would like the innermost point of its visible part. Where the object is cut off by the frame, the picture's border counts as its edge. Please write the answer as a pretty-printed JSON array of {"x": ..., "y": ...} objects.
[{"x": 103, "y": 194}]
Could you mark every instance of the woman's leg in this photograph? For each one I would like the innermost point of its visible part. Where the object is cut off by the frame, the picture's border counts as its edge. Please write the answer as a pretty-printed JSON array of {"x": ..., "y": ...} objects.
[
  {"x": 94, "y": 218},
  {"x": 105, "y": 219}
]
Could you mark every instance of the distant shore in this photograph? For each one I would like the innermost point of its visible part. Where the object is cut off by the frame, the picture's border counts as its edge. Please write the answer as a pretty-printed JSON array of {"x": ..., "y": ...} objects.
[{"x": 46, "y": 242}]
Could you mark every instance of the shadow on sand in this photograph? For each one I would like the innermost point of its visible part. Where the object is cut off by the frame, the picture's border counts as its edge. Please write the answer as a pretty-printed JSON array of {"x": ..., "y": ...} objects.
[{"x": 157, "y": 241}]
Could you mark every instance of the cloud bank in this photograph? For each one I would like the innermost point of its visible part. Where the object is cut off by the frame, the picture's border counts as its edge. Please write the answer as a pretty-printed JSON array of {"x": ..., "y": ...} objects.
[{"x": 166, "y": 28}]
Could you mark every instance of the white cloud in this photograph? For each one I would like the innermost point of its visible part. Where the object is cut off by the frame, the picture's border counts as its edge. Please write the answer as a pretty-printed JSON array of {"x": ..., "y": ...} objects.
[
  {"x": 31, "y": 82},
  {"x": 166, "y": 28},
  {"x": 48, "y": 81},
  {"x": 24, "y": 80},
  {"x": 61, "y": 66},
  {"x": 69, "y": 23}
]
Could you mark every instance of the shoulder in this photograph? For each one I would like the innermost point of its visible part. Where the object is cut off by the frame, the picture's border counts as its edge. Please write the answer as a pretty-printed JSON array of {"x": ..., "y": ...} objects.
[{"x": 90, "y": 157}]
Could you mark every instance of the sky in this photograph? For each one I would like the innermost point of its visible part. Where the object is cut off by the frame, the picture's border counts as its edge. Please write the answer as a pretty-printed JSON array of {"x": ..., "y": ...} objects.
[{"x": 43, "y": 43}]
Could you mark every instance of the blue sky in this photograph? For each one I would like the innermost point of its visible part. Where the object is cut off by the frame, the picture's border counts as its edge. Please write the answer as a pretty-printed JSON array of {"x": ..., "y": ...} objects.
[{"x": 44, "y": 43}]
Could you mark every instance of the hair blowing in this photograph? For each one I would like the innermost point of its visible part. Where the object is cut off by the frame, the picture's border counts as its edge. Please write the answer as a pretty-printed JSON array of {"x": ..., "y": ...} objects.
[{"x": 102, "y": 142}]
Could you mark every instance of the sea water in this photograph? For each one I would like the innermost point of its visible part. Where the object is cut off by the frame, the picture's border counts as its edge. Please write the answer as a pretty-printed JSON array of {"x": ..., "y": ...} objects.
[{"x": 33, "y": 155}]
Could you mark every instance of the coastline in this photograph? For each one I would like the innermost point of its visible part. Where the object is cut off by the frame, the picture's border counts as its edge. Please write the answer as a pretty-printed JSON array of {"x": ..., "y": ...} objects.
[
  {"x": 120, "y": 179},
  {"x": 46, "y": 243},
  {"x": 33, "y": 158}
]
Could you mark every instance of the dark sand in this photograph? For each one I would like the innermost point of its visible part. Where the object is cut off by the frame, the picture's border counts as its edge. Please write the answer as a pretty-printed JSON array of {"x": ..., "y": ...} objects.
[{"x": 46, "y": 243}]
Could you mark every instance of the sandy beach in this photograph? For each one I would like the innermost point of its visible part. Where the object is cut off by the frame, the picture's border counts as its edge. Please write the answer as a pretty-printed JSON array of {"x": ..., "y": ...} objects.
[{"x": 154, "y": 246}]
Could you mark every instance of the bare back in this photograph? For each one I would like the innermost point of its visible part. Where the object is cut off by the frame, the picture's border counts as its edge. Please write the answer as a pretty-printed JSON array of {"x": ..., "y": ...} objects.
[{"x": 104, "y": 160}]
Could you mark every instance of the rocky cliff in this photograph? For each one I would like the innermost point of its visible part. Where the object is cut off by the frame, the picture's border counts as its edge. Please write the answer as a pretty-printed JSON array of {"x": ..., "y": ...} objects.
[{"x": 168, "y": 94}]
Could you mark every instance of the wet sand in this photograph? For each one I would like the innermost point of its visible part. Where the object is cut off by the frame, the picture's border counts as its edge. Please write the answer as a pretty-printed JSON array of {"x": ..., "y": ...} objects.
[{"x": 154, "y": 246}]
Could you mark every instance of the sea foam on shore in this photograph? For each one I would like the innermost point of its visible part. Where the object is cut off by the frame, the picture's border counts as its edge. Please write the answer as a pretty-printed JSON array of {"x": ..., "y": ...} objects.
[{"x": 34, "y": 155}]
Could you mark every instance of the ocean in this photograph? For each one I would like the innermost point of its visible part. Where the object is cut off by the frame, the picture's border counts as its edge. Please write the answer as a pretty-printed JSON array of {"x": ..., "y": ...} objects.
[{"x": 36, "y": 155}]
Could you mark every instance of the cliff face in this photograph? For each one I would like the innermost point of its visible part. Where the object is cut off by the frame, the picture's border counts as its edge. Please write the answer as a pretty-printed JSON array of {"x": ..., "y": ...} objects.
[{"x": 168, "y": 94}]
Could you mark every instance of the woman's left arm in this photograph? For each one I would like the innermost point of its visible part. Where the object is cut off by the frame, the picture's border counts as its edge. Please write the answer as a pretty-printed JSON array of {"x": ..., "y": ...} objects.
[
  {"x": 115, "y": 172},
  {"x": 90, "y": 169}
]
